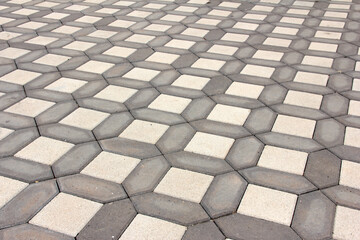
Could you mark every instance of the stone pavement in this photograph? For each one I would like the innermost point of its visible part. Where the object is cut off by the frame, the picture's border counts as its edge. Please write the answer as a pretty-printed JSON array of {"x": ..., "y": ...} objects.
[{"x": 179, "y": 119}]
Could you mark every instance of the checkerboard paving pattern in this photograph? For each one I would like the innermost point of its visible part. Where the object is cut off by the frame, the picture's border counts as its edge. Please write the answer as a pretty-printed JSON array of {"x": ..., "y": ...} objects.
[{"x": 179, "y": 119}]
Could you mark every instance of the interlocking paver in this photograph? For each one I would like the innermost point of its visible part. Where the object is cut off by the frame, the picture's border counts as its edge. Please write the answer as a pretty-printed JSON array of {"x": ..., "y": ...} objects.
[{"x": 175, "y": 119}]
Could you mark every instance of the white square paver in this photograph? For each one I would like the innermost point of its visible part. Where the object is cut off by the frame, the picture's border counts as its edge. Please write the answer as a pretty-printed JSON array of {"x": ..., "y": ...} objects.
[
  {"x": 56, "y": 15},
  {"x": 157, "y": 27},
  {"x": 116, "y": 93},
  {"x": 303, "y": 99},
  {"x": 279, "y": 42},
  {"x": 30, "y": 107},
  {"x": 317, "y": 61},
  {"x": 352, "y": 137},
  {"x": 356, "y": 85},
  {"x": 121, "y": 23},
  {"x": 354, "y": 108},
  {"x": 284, "y": 160},
  {"x": 4, "y": 132},
  {"x": 221, "y": 49},
  {"x": 79, "y": 46},
  {"x": 66, "y": 214},
  {"x": 119, "y": 51},
  {"x": 150, "y": 228},
  {"x": 170, "y": 103},
  {"x": 244, "y": 90},
  {"x": 44, "y": 150},
  {"x": 66, "y": 29},
  {"x": 184, "y": 184},
  {"x": 160, "y": 57},
  {"x": 95, "y": 67},
  {"x": 32, "y": 25},
  {"x": 349, "y": 175},
  {"x": 210, "y": 145},
  {"x": 311, "y": 78},
  {"x": 246, "y": 26},
  {"x": 190, "y": 81},
  {"x": 195, "y": 32},
  {"x": 13, "y": 53},
  {"x": 8, "y": 35},
  {"x": 52, "y": 60},
  {"x": 268, "y": 55},
  {"x": 328, "y": 35},
  {"x": 111, "y": 167},
  {"x": 235, "y": 37},
  {"x": 141, "y": 74},
  {"x": 40, "y": 40},
  {"x": 285, "y": 30},
  {"x": 208, "y": 21},
  {"x": 140, "y": 14},
  {"x": 144, "y": 131},
  {"x": 294, "y": 126},
  {"x": 177, "y": 43},
  {"x": 258, "y": 71},
  {"x": 20, "y": 77},
  {"x": 84, "y": 118},
  {"x": 346, "y": 225},
  {"x": 325, "y": 47},
  {"x": 102, "y": 34},
  {"x": 220, "y": 13},
  {"x": 209, "y": 64},
  {"x": 9, "y": 188},
  {"x": 268, "y": 204},
  {"x": 67, "y": 85},
  {"x": 229, "y": 114},
  {"x": 172, "y": 18},
  {"x": 140, "y": 38}
]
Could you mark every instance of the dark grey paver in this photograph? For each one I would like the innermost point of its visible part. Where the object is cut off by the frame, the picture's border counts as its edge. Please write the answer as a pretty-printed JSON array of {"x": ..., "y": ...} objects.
[
  {"x": 109, "y": 222},
  {"x": 237, "y": 226},
  {"x": 28, "y": 231},
  {"x": 207, "y": 230},
  {"x": 173, "y": 209},
  {"x": 27, "y": 203},
  {"x": 91, "y": 188},
  {"x": 318, "y": 174},
  {"x": 224, "y": 194},
  {"x": 314, "y": 216}
]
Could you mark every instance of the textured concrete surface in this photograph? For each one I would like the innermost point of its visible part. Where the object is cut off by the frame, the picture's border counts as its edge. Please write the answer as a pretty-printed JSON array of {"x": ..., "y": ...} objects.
[{"x": 179, "y": 119}]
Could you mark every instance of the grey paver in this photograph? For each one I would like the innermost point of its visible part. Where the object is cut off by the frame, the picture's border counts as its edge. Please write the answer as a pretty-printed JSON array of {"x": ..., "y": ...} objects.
[
  {"x": 183, "y": 212},
  {"x": 224, "y": 194},
  {"x": 314, "y": 216},
  {"x": 110, "y": 221},
  {"x": 27, "y": 203},
  {"x": 239, "y": 226},
  {"x": 27, "y": 231},
  {"x": 91, "y": 188},
  {"x": 206, "y": 230}
]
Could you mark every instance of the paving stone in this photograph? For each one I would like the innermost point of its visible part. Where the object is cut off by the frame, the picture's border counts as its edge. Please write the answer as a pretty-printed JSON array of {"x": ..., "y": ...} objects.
[
  {"x": 17, "y": 140},
  {"x": 76, "y": 159},
  {"x": 91, "y": 188},
  {"x": 130, "y": 148},
  {"x": 27, "y": 203},
  {"x": 206, "y": 230},
  {"x": 28, "y": 231},
  {"x": 146, "y": 175},
  {"x": 113, "y": 125},
  {"x": 335, "y": 105},
  {"x": 173, "y": 209},
  {"x": 260, "y": 120},
  {"x": 101, "y": 105},
  {"x": 224, "y": 194},
  {"x": 278, "y": 180},
  {"x": 198, "y": 109},
  {"x": 329, "y": 132},
  {"x": 27, "y": 171},
  {"x": 110, "y": 221},
  {"x": 157, "y": 116},
  {"x": 317, "y": 174},
  {"x": 245, "y": 153},
  {"x": 237, "y": 226},
  {"x": 289, "y": 141},
  {"x": 176, "y": 138},
  {"x": 345, "y": 196},
  {"x": 67, "y": 133}
]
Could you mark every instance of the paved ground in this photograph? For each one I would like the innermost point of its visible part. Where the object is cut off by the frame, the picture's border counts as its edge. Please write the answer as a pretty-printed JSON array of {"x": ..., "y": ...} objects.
[{"x": 179, "y": 119}]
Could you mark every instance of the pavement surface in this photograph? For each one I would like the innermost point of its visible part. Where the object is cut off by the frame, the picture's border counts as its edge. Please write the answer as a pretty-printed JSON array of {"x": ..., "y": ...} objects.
[{"x": 179, "y": 119}]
